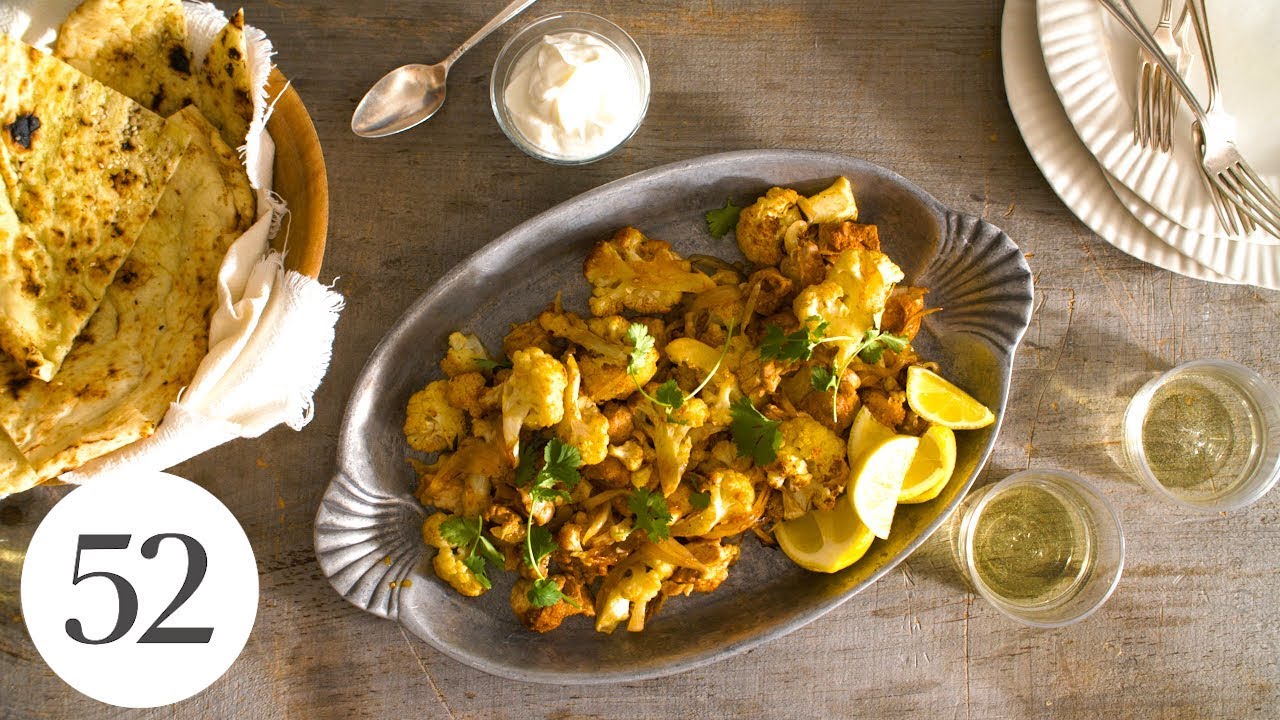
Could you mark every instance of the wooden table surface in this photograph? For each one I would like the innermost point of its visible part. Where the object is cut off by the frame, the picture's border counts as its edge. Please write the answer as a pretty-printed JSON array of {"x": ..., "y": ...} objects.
[{"x": 915, "y": 86}]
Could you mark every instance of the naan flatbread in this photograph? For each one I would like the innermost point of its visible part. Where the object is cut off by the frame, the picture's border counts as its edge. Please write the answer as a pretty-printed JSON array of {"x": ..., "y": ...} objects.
[
  {"x": 16, "y": 474},
  {"x": 138, "y": 47},
  {"x": 224, "y": 92},
  {"x": 82, "y": 168},
  {"x": 151, "y": 331}
]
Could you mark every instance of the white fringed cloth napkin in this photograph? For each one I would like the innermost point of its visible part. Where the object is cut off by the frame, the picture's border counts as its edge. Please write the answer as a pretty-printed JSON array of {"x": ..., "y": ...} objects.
[{"x": 271, "y": 335}]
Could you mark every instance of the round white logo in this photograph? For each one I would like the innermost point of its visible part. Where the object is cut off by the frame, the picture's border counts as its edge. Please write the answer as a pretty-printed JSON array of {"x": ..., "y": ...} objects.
[{"x": 139, "y": 590}]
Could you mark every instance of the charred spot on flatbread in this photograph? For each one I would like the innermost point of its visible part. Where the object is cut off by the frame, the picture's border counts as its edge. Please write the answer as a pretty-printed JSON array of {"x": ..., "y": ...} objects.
[
  {"x": 23, "y": 129},
  {"x": 138, "y": 47}
]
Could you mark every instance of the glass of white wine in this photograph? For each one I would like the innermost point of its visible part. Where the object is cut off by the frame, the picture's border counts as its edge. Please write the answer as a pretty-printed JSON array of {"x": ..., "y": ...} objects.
[
  {"x": 1043, "y": 546},
  {"x": 1206, "y": 435}
]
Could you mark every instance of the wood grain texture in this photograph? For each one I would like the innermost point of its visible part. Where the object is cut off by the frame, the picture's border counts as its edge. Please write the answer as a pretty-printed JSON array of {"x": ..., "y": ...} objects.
[{"x": 915, "y": 85}]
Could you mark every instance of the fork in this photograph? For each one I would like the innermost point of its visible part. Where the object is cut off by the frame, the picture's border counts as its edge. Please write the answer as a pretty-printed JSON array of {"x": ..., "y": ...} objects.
[
  {"x": 1153, "y": 115},
  {"x": 1230, "y": 178},
  {"x": 1229, "y": 213}
]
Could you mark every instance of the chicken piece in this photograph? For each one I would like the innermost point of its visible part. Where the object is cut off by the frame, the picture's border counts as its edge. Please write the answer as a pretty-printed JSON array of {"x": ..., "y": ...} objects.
[
  {"x": 818, "y": 403},
  {"x": 832, "y": 205},
  {"x": 762, "y": 225},
  {"x": 621, "y": 423},
  {"x": 890, "y": 408},
  {"x": 532, "y": 396},
  {"x": 529, "y": 334},
  {"x": 903, "y": 312},
  {"x": 448, "y": 563},
  {"x": 835, "y": 238},
  {"x": 468, "y": 392},
  {"x": 549, "y": 618},
  {"x": 773, "y": 290},
  {"x": 627, "y": 591},
  {"x": 632, "y": 272},
  {"x": 431, "y": 423},
  {"x": 811, "y": 468},
  {"x": 463, "y": 353},
  {"x": 758, "y": 378},
  {"x": 583, "y": 426}
]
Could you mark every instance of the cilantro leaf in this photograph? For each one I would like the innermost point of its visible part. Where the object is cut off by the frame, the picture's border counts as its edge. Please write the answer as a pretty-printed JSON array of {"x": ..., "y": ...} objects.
[
  {"x": 756, "y": 436},
  {"x": 545, "y": 593},
  {"x": 651, "y": 512},
  {"x": 798, "y": 345},
  {"x": 538, "y": 545},
  {"x": 486, "y": 550},
  {"x": 484, "y": 363},
  {"x": 670, "y": 394},
  {"x": 475, "y": 564},
  {"x": 823, "y": 379},
  {"x": 700, "y": 500},
  {"x": 641, "y": 343},
  {"x": 874, "y": 343},
  {"x": 527, "y": 468},
  {"x": 721, "y": 220},
  {"x": 562, "y": 461},
  {"x": 460, "y": 531}
]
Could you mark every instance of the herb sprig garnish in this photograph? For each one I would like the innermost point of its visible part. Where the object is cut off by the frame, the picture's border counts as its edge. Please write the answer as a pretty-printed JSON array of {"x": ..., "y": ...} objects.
[
  {"x": 555, "y": 479},
  {"x": 721, "y": 220},
  {"x": 465, "y": 532},
  {"x": 668, "y": 395},
  {"x": 652, "y": 513}
]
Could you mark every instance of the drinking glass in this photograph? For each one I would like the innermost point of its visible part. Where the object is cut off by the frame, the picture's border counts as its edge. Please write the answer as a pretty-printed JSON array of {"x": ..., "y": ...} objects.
[{"x": 1043, "y": 546}]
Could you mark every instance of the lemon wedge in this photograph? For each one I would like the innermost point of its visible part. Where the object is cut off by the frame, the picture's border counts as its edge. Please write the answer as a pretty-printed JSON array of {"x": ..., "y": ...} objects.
[
  {"x": 932, "y": 466},
  {"x": 866, "y": 433},
  {"x": 877, "y": 479},
  {"x": 825, "y": 540},
  {"x": 942, "y": 403}
]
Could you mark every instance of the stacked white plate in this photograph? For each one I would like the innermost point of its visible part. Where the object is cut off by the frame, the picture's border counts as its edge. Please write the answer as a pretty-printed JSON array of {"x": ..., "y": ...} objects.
[{"x": 1070, "y": 75}]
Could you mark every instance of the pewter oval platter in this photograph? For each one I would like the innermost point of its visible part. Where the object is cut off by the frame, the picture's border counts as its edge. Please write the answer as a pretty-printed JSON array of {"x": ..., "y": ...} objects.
[{"x": 367, "y": 528}]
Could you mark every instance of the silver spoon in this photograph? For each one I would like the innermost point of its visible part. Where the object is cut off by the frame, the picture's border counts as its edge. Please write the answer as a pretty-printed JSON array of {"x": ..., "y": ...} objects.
[{"x": 410, "y": 94}]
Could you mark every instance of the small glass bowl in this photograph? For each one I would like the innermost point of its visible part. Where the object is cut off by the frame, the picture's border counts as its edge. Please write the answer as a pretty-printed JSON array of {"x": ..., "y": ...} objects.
[
  {"x": 557, "y": 23},
  {"x": 1044, "y": 525},
  {"x": 1239, "y": 469}
]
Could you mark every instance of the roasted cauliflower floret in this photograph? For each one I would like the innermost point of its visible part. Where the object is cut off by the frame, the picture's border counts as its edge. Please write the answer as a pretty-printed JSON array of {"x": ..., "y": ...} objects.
[
  {"x": 532, "y": 396},
  {"x": 632, "y": 272},
  {"x": 834, "y": 204},
  {"x": 463, "y": 481},
  {"x": 583, "y": 426},
  {"x": 549, "y": 618},
  {"x": 716, "y": 559},
  {"x": 670, "y": 437},
  {"x": 852, "y": 298},
  {"x": 526, "y": 335},
  {"x": 627, "y": 591},
  {"x": 732, "y": 495},
  {"x": 604, "y": 365},
  {"x": 463, "y": 354},
  {"x": 468, "y": 392},
  {"x": 763, "y": 224},
  {"x": 448, "y": 560},
  {"x": 431, "y": 424},
  {"x": 811, "y": 468},
  {"x": 803, "y": 261}
]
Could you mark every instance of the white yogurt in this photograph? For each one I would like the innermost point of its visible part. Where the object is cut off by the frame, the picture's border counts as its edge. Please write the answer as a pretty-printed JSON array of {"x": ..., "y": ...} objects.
[{"x": 572, "y": 95}]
